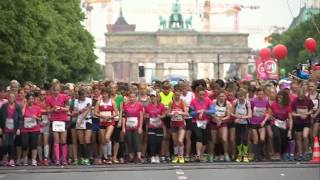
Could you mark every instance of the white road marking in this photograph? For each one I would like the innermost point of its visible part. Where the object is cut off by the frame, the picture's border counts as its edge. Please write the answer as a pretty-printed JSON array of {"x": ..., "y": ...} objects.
[
  {"x": 179, "y": 172},
  {"x": 182, "y": 177},
  {"x": 282, "y": 174}
]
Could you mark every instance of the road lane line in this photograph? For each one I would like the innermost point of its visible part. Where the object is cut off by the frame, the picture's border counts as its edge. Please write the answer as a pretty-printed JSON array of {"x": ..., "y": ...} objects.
[{"x": 182, "y": 177}]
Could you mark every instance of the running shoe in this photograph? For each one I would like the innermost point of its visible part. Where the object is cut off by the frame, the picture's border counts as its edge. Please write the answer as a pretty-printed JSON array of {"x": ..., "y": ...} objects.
[
  {"x": 153, "y": 160},
  {"x": 25, "y": 162},
  {"x": 210, "y": 158},
  {"x": 239, "y": 159},
  {"x": 57, "y": 163},
  {"x": 11, "y": 163},
  {"x": 291, "y": 157},
  {"x": 197, "y": 159},
  {"x": 64, "y": 163},
  {"x": 246, "y": 159},
  {"x": 300, "y": 158},
  {"x": 157, "y": 158},
  {"x": 221, "y": 158},
  {"x": 45, "y": 162},
  {"x": 181, "y": 159},
  {"x": 34, "y": 163},
  {"x": 175, "y": 159},
  {"x": 187, "y": 159},
  {"x": 86, "y": 162},
  {"x": 227, "y": 158},
  {"x": 305, "y": 157}
]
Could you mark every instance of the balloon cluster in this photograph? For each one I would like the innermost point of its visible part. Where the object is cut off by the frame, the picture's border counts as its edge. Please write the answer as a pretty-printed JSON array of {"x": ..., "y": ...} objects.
[{"x": 280, "y": 52}]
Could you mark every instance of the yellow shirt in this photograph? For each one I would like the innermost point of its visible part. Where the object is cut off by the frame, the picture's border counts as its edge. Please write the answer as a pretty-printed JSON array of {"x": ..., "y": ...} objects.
[{"x": 166, "y": 100}]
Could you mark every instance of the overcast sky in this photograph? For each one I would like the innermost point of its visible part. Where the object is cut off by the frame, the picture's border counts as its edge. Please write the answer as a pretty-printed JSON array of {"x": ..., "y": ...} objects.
[{"x": 258, "y": 23}]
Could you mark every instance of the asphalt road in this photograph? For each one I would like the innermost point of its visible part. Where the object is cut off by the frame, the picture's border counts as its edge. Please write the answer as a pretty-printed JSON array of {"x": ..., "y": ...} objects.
[{"x": 204, "y": 171}]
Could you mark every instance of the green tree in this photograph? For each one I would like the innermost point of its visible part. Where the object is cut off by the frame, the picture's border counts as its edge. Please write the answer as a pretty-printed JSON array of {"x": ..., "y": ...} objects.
[
  {"x": 294, "y": 39},
  {"x": 44, "y": 39}
]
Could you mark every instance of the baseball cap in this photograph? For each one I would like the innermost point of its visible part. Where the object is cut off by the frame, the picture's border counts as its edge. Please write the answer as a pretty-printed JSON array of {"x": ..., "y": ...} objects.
[{"x": 153, "y": 93}]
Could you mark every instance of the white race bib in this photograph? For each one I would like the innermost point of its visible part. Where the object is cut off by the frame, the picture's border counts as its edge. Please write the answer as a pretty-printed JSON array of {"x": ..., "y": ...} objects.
[
  {"x": 221, "y": 111},
  {"x": 302, "y": 111},
  {"x": 202, "y": 124},
  {"x": 132, "y": 122},
  {"x": 106, "y": 114},
  {"x": 177, "y": 117},
  {"x": 280, "y": 124},
  {"x": 58, "y": 126},
  {"x": 156, "y": 122},
  {"x": 81, "y": 124},
  {"x": 30, "y": 122},
  {"x": 259, "y": 112},
  {"x": 315, "y": 104},
  {"x": 9, "y": 123}
]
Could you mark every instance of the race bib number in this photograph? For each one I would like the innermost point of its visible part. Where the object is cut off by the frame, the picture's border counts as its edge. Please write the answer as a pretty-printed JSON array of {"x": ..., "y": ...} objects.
[
  {"x": 9, "y": 123},
  {"x": 30, "y": 122},
  {"x": 302, "y": 111},
  {"x": 259, "y": 112},
  {"x": 315, "y": 104},
  {"x": 156, "y": 122},
  {"x": 280, "y": 124},
  {"x": 106, "y": 114},
  {"x": 202, "y": 124},
  {"x": 177, "y": 117},
  {"x": 58, "y": 126},
  {"x": 81, "y": 124},
  {"x": 221, "y": 111},
  {"x": 132, "y": 122},
  {"x": 44, "y": 120}
]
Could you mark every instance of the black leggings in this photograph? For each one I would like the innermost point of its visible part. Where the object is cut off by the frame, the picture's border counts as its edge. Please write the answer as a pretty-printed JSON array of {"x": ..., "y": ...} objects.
[
  {"x": 242, "y": 134},
  {"x": 280, "y": 139},
  {"x": 201, "y": 135},
  {"x": 8, "y": 144},
  {"x": 155, "y": 137},
  {"x": 133, "y": 141},
  {"x": 29, "y": 140}
]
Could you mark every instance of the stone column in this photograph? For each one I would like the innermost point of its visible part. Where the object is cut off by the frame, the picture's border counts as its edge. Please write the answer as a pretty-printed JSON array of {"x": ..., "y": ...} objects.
[
  {"x": 109, "y": 71},
  {"x": 193, "y": 70},
  {"x": 159, "y": 71},
  {"x": 134, "y": 72},
  {"x": 243, "y": 70},
  {"x": 215, "y": 70},
  {"x": 221, "y": 71}
]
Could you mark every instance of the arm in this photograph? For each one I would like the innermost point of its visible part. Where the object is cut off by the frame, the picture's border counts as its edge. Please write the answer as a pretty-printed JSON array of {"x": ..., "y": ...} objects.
[
  {"x": 211, "y": 110},
  {"x": 267, "y": 116},
  {"x": 115, "y": 110},
  {"x": 228, "y": 113},
  {"x": 185, "y": 109},
  {"x": 249, "y": 115},
  {"x": 193, "y": 112}
]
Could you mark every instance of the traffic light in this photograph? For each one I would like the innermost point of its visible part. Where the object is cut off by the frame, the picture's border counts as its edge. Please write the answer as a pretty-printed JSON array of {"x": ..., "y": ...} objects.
[{"x": 141, "y": 71}]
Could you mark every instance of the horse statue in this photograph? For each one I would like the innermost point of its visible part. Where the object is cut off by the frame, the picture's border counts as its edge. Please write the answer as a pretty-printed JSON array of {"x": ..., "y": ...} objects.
[
  {"x": 176, "y": 19},
  {"x": 163, "y": 23},
  {"x": 188, "y": 23}
]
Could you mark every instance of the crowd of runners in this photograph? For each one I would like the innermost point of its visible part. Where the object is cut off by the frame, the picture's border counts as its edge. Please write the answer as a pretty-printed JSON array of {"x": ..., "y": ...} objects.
[{"x": 105, "y": 122}]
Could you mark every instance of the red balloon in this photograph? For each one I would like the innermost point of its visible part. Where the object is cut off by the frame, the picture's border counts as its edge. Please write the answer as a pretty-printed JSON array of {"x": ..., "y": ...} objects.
[
  {"x": 310, "y": 44},
  {"x": 265, "y": 53},
  {"x": 280, "y": 51}
]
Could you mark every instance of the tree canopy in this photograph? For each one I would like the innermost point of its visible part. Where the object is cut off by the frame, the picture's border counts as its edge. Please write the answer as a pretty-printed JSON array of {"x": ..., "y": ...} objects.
[
  {"x": 44, "y": 39},
  {"x": 294, "y": 39}
]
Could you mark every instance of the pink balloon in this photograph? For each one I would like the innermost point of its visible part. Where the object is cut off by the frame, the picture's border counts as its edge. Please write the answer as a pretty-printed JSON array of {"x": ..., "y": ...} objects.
[
  {"x": 310, "y": 44},
  {"x": 280, "y": 51}
]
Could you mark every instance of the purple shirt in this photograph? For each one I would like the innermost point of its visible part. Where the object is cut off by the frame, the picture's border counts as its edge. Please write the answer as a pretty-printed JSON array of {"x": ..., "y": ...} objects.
[{"x": 259, "y": 109}]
